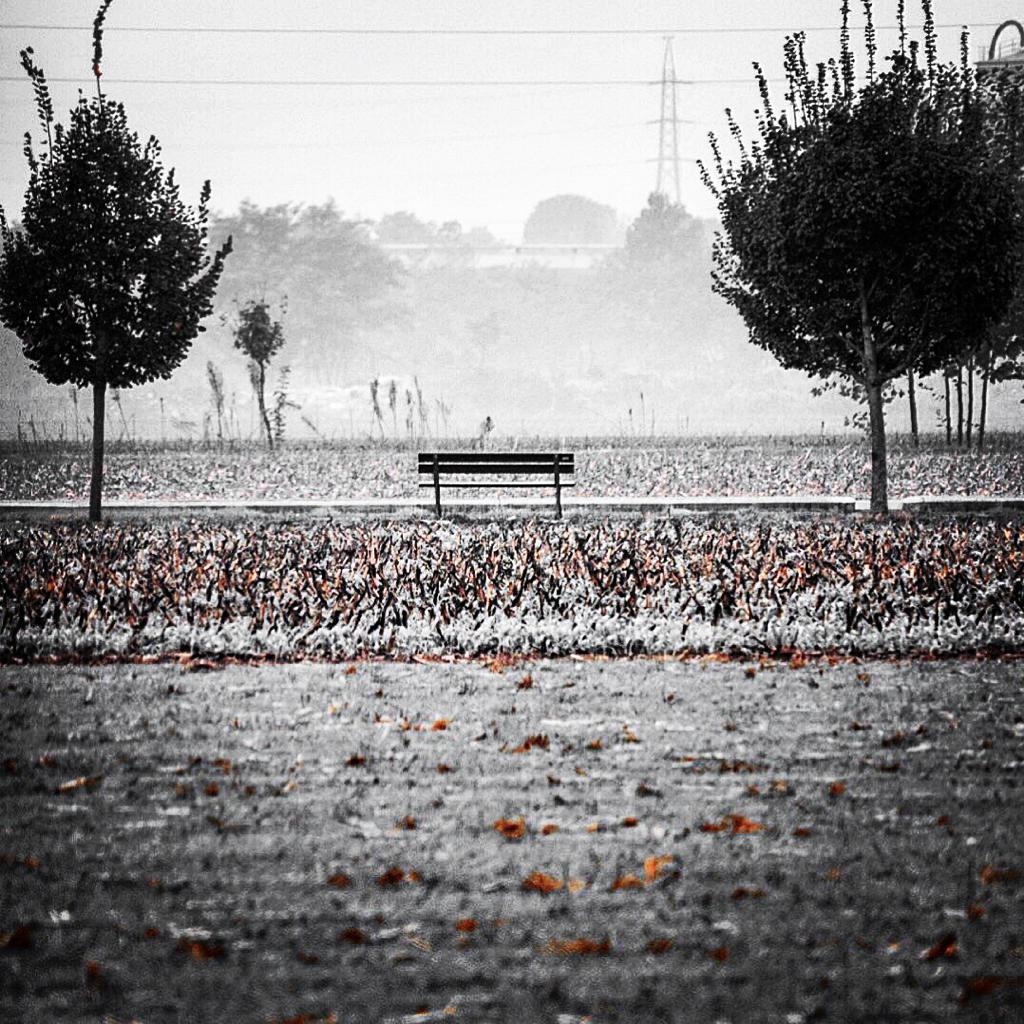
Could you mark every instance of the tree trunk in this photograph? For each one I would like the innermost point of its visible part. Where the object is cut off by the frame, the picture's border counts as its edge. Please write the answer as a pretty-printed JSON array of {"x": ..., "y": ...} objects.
[
  {"x": 264, "y": 418},
  {"x": 970, "y": 400},
  {"x": 986, "y": 373},
  {"x": 959, "y": 405},
  {"x": 912, "y": 395},
  {"x": 99, "y": 393},
  {"x": 876, "y": 411},
  {"x": 949, "y": 422}
]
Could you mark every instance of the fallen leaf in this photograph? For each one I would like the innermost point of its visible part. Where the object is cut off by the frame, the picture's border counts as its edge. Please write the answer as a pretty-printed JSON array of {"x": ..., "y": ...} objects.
[
  {"x": 595, "y": 745},
  {"x": 721, "y": 954},
  {"x": 629, "y": 736},
  {"x": 511, "y": 828},
  {"x": 981, "y": 985},
  {"x": 525, "y": 683},
  {"x": 990, "y": 874},
  {"x": 630, "y": 822},
  {"x": 443, "y": 769},
  {"x": 836, "y": 788},
  {"x": 577, "y": 947},
  {"x": 659, "y": 946},
  {"x": 653, "y": 866},
  {"x": 576, "y": 885},
  {"x": 944, "y": 947},
  {"x": 355, "y": 761},
  {"x": 550, "y": 828},
  {"x": 802, "y": 832},
  {"x": 595, "y": 826},
  {"x": 537, "y": 881},
  {"x": 356, "y": 936},
  {"x": 20, "y": 938},
  {"x": 408, "y": 823},
  {"x": 88, "y": 782},
  {"x": 626, "y": 882},
  {"x": 211, "y": 789},
  {"x": 834, "y": 874},
  {"x": 339, "y": 881},
  {"x": 742, "y": 892},
  {"x": 396, "y": 876},
  {"x": 538, "y": 742},
  {"x": 975, "y": 911},
  {"x": 466, "y": 924},
  {"x": 351, "y": 670},
  {"x": 440, "y": 725},
  {"x": 201, "y": 950}
]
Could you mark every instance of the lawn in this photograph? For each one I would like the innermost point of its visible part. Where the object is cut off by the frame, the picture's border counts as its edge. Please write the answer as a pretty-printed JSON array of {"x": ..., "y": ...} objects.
[{"x": 699, "y": 841}]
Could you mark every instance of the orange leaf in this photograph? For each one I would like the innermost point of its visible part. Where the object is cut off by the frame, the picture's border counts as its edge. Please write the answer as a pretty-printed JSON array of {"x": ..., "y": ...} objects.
[
  {"x": 595, "y": 745},
  {"x": 577, "y": 947},
  {"x": 629, "y": 736},
  {"x": 211, "y": 789},
  {"x": 440, "y": 725},
  {"x": 548, "y": 829},
  {"x": 443, "y": 769},
  {"x": 658, "y": 946},
  {"x": 82, "y": 782},
  {"x": 540, "y": 742},
  {"x": 339, "y": 881},
  {"x": 408, "y": 823},
  {"x": 745, "y": 892},
  {"x": 537, "y": 881},
  {"x": 466, "y": 924},
  {"x": 200, "y": 950},
  {"x": 393, "y": 876},
  {"x": 975, "y": 912},
  {"x": 576, "y": 885},
  {"x": 356, "y": 761},
  {"x": 653, "y": 866},
  {"x": 511, "y": 828},
  {"x": 744, "y": 826},
  {"x": 351, "y": 670},
  {"x": 719, "y": 826},
  {"x": 837, "y": 789},
  {"x": 721, "y": 954},
  {"x": 630, "y": 822},
  {"x": 944, "y": 947},
  {"x": 595, "y": 826},
  {"x": 354, "y": 935},
  {"x": 525, "y": 683},
  {"x": 626, "y": 882},
  {"x": 801, "y": 832}
]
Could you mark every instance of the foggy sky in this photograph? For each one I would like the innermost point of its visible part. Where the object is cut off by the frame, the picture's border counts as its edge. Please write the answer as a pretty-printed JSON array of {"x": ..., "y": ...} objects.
[{"x": 482, "y": 155}]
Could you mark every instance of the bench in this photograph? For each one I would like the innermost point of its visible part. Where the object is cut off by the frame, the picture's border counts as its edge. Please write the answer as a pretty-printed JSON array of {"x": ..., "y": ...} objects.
[{"x": 558, "y": 467}]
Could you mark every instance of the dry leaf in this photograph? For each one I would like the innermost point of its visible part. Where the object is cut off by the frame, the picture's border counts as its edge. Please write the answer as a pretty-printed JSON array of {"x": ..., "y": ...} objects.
[
  {"x": 466, "y": 924},
  {"x": 659, "y": 946},
  {"x": 576, "y": 885},
  {"x": 537, "y": 742},
  {"x": 990, "y": 874},
  {"x": 88, "y": 782},
  {"x": 356, "y": 761},
  {"x": 339, "y": 881},
  {"x": 630, "y": 822},
  {"x": 525, "y": 683},
  {"x": 202, "y": 950},
  {"x": 836, "y": 788},
  {"x": 577, "y": 947},
  {"x": 653, "y": 866},
  {"x": 408, "y": 823},
  {"x": 440, "y": 725},
  {"x": 355, "y": 936},
  {"x": 721, "y": 954},
  {"x": 626, "y": 882},
  {"x": 511, "y": 828},
  {"x": 550, "y": 828},
  {"x": 945, "y": 947},
  {"x": 537, "y": 881}
]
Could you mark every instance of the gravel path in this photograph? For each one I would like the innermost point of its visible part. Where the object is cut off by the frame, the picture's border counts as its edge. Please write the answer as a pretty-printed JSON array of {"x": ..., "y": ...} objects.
[{"x": 723, "y": 842}]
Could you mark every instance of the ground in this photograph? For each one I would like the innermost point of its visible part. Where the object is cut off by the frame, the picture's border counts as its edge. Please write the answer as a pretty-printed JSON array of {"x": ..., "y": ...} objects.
[{"x": 736, "y": 841}]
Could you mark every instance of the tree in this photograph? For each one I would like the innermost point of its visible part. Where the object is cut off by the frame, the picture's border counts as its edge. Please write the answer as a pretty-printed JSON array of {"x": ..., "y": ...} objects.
[
  {"x": 260, "y": 337},
  {"x": 871, "y": 230},
  {"x": 571, "y": 220},
  {"x": 338, "y": 281},
  {"x": 108, "y": 277}
]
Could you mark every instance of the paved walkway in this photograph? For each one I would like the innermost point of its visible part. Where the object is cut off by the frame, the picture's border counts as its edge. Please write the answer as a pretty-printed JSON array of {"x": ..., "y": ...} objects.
[{"x": 386, "y": 506}]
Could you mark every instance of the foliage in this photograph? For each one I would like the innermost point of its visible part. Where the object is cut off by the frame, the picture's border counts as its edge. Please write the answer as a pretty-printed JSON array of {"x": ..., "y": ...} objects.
[
  {"x": 868, "y": 231},
  {"x": 260, "y": 337},
  {"x": 338, "y": 282},
  {"x": 571, "y": 220},
  {"x": 107, "y": 279}
]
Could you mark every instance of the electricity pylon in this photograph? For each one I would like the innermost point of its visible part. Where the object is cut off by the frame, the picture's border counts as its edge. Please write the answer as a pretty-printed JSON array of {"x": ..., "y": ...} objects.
[{"x": 668, "y": 123}]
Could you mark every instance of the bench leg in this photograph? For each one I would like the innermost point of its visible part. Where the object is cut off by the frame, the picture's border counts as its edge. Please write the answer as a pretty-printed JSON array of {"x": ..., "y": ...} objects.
[
  {"x": 558, "y": 498},
  {"x": 437, "y": 492}
]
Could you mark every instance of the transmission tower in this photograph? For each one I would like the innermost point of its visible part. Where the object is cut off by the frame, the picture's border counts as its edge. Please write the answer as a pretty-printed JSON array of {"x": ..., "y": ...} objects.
[{"x": 668, "y": 124}]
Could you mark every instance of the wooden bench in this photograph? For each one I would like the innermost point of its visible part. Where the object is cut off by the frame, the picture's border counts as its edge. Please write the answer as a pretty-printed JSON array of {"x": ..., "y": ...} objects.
[{"x": 558, "y": 467}]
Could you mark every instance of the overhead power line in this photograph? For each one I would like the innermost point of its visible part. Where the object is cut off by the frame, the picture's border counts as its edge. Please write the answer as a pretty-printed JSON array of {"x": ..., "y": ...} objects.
[
  {"x": 386, "y": 82},
  {"x": 321, "y": 31}
]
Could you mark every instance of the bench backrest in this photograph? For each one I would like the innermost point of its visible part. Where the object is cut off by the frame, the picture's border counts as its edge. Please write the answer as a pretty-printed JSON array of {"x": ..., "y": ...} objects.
[{"x": 521, "y": 463}]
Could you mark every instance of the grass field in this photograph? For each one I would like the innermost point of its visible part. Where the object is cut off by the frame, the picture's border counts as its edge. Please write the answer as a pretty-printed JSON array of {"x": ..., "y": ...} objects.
[
  {"x": 721, "y": 842},
  {"x": 608, "y": 467}
]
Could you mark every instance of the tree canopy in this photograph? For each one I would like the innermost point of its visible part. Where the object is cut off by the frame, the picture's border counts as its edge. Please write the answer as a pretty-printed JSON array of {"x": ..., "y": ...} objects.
[
  {"x": 571, "y": 220},
  {"x": 868, "y": 229},
  {"x": 107, "y": 278}
]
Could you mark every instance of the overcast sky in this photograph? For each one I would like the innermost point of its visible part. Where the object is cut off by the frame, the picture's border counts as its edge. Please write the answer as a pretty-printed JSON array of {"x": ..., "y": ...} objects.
[{"x": 483, "y": 154}]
